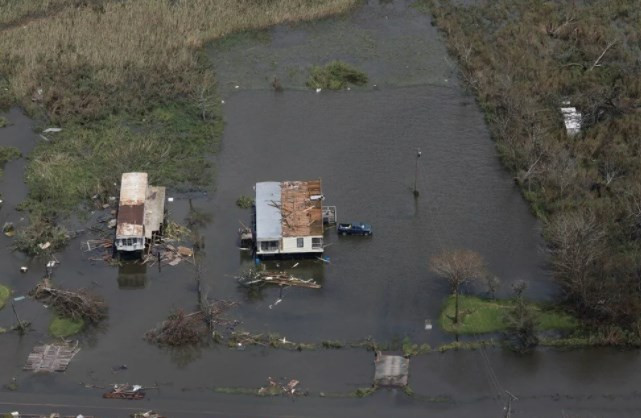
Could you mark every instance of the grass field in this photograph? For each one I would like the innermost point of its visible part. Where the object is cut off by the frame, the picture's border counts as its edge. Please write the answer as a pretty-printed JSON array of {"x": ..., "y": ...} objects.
[{"x": 479, "y": 316}]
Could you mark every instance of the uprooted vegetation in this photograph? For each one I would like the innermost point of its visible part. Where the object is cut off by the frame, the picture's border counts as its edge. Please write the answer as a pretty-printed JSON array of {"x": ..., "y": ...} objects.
[
  {"x": 77, "y": 305},
  {"x": 129, "y": 96},
  {"x": 40, "y": 236},
  {"x": 523, "y": 60},
  {"x": 336, "y": 75}
]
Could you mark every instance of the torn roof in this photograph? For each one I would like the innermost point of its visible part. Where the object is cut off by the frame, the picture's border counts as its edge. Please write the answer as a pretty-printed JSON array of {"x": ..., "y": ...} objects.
[
  {"x": 131, "y": 206},
  {"x": 288, "y": 209}
]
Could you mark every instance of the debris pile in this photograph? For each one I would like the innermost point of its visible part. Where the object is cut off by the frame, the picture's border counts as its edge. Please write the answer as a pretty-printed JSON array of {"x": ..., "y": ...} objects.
[
  {"x": 147, "y": 414},
  {"x": 77, "y": 304},
  {"x": 255, "y": 278},
  {"x": 179, "y": 329}
]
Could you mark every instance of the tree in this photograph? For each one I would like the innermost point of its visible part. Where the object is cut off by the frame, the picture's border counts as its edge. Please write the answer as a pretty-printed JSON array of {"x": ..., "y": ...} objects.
[
  {"x": 520, "y": 322},
  {"x": 458, "y": 267}
]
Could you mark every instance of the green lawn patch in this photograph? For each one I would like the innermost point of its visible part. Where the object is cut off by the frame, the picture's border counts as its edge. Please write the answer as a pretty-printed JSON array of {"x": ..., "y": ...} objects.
[
  {"x": 479, "y": 316},
  {"x": 335, "y": 76},
  {"x": 65, "y": 327},
  {"x": 4, "y": 295}
]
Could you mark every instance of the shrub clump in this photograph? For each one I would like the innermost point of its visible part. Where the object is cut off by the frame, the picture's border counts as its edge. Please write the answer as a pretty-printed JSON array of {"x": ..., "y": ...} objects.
[
  {"x": 41, "y": 236},
  {"x": 244, "y": 202},
  {"x": 335, "y": 76}
]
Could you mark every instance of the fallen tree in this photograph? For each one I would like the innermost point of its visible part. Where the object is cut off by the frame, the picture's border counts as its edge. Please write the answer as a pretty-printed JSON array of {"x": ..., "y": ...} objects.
[{"x": 74, "y": 304}]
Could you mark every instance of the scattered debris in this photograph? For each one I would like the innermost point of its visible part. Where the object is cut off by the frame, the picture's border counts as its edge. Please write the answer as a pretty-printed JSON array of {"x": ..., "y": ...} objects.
[
  {"x": 78, "y": 304},
  {"x": 112, "y": 223},
  {"x": 170, "y": 199},
  {"x": 185, "y": 252},
  {"x": 45, "y": 245},
  {"x": 148, "y": 414},
  {"x": 254, "y": 277},
  {"x": 125, "y": 391},
  {"x": 24, "y": 269},
  {"x": 19, "y": 298},
  {"x": 9, "y": 229},
  {"x": 275, "y": 388},
  {"x": 242, "y": 338},
  {"x": 428, "y": 324},
  {"x": 51, "y": 357},
  {"x": 52, "y": 130},
  {"x": 391, "y": 370}
]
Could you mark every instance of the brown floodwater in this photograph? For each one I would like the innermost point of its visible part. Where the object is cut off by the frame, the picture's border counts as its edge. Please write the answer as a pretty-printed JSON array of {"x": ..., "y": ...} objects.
[{"x": 362, "y": 144}]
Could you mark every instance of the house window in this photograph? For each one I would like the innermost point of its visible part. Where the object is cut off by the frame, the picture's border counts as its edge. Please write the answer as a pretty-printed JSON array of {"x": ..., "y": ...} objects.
[
  {"x": 317, "y": 243},
  {"x": 300, "y": 242},
  {"x": 269, "y": 245}
]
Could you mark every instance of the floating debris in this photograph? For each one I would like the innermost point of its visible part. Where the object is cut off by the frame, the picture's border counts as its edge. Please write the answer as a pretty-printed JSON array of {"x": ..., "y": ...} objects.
[
  {"x": 76, "y": 304},
  {"x": 148, "y": 414},
  {"x": 24, "y": 269},
  {"x": 51, "y": 130},
  {"x": 275, "y": 388},
  {"x": 9, "y": 229},
  {"x": 51, "y": 357},
  {"x": 254, "y": 277},
  {"x": 125, "y": 391}
]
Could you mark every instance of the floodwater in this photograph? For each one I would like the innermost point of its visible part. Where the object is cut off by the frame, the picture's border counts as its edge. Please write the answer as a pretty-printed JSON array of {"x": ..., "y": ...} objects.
[{"x": 362, "y": 144}]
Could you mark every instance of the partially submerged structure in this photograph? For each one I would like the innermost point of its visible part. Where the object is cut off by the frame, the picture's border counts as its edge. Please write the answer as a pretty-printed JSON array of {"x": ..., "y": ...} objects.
[
  {"x": 391, "y": 370},
  {"x": 289, "y": 218},
  {"x": 51, "y": 357},
  {"x": 140, "y": 212}
]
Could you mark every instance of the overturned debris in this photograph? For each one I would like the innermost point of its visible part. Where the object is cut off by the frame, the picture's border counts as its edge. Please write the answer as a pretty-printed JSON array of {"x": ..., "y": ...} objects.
[
  {"x": 76, "y": 304},
  {"x": 125, "y": 391},
  {"x": 253, "y": 277},
  {"x": 51, "y": 357}
]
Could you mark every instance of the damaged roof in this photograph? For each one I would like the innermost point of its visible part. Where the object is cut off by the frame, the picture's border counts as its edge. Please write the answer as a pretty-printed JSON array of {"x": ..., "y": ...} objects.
[
  {"x": 131, "y": 207},
  {"x": 268, "y": 218}
]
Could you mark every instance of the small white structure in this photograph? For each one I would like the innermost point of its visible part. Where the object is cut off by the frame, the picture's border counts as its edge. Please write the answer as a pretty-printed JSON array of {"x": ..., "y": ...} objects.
[
  {"x": 140, "y": 212},
  {"x": 572, "y": 119},
  {"x": 289, "y": 218}
]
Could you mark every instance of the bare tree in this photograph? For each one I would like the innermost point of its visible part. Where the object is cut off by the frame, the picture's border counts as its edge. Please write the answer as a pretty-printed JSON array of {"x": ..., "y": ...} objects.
[
  {"x": 576, "y": 241},
  {"x": 458, "y": 267}
]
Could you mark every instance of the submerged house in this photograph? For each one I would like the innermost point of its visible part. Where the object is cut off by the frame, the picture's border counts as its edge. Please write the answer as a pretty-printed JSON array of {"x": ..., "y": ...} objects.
[
  {"x": 289, "y": 218},
  {"x": 140, "y": 212}
]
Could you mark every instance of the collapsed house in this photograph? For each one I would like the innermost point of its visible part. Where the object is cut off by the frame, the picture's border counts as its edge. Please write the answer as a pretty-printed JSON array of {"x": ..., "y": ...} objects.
[
  {"x": 289, "y": 218},
  {"x": 140, "y": 212}
]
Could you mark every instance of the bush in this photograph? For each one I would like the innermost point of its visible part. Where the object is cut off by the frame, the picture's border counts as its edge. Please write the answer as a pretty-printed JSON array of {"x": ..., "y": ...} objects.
[{"x": 335, "y": 76}]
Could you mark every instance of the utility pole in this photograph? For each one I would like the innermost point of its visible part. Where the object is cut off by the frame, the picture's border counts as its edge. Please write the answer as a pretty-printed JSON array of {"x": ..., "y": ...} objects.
[{"x": 418, "y": 155}]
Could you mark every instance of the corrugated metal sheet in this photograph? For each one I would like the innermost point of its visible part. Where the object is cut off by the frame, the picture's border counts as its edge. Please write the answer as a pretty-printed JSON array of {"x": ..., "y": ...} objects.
[
  {"x": 154, "y": 210},
  {"x": 131, "y": 207},
  {"x": 268, "y": 216}
]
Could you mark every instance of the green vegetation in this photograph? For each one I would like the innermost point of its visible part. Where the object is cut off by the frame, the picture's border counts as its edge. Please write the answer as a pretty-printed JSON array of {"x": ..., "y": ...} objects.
[
  {"x": 4, "y": 295},
  {"x": 7, "y": 154},
  {"x": 412, "y": 349},
  {"x": 33, "y": 238},
  {"x": 65, "y": 327},
  {"x": 523, "y": 60},
  {"x": 129, "y": 95},
  {"x": 3, "y": 122},
  {"x": 335, "y": 76},
  {"x": 365, "y": 392},
  {"x": 332, "y": 344},
  {"x": 244, "y": 202},
  {"x": 466, "y": 345},
  {"x": 479, "y": 316}
]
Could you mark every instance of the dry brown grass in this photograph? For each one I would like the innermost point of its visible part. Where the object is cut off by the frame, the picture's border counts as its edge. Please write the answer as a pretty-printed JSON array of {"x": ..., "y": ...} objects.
[{"x": 143, "y": 44}]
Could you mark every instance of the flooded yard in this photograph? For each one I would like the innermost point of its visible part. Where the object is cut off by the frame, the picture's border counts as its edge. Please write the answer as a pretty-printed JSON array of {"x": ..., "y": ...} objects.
[{"x": 362, "y": 145}]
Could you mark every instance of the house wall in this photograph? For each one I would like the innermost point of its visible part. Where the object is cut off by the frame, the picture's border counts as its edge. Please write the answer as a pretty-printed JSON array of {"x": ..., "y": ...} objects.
[{"x": 290, "y": 245}]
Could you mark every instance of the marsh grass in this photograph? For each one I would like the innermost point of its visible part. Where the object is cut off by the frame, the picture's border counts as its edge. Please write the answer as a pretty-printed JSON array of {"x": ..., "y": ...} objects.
[
  {"x": 336, "y": 75},
  {"x": 480, "y": 316}
]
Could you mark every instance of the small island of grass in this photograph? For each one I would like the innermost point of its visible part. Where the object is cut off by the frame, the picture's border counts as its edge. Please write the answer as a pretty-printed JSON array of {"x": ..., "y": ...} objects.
[
  {"x": 65, "y": 327},
  {"x": 481, "y": 316}
]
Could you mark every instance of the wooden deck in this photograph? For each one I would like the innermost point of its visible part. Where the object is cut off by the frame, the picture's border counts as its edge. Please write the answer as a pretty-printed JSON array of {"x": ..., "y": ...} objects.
[
  {"x": 154, "y": 210},
  {"x": 51, "y": 357}
]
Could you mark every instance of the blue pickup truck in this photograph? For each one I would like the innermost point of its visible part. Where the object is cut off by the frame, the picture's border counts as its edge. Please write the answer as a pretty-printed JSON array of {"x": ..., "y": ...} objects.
[{"x": 354, "y": 229}]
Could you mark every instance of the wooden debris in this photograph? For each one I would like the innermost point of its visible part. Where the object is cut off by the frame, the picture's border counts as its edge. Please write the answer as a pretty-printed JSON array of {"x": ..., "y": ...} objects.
[
  {"x": 51, "y": 357},
  {"x": 253, "y": 277},
  {"x": 275, "y": 388},
  {"x": 147, "y": 414}
]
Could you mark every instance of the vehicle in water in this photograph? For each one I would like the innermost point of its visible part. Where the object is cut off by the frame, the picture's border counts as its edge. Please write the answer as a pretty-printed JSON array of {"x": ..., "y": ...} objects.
[{"x": 355, "y": 228}]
